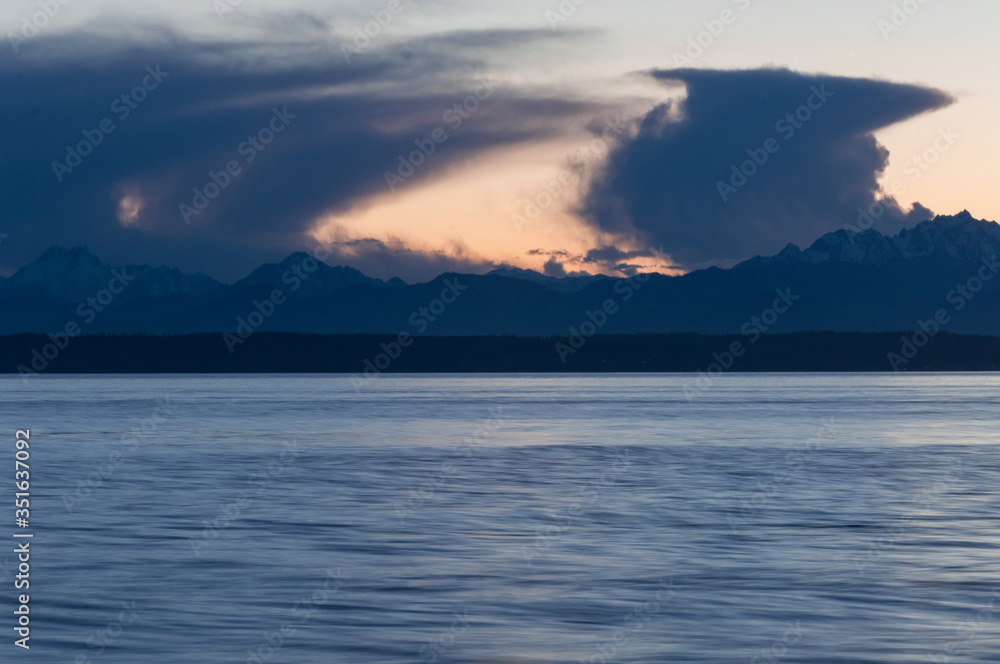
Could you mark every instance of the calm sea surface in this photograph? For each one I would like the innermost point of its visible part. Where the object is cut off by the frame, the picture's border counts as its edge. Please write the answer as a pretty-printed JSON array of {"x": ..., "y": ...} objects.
[{"x": 507, "y": 519}]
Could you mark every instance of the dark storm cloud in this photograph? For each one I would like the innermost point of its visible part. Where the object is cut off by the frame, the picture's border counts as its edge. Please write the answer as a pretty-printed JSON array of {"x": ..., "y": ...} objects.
[
  {"x": 673, "y": 183},
  {"x": 351, "y": 123}
]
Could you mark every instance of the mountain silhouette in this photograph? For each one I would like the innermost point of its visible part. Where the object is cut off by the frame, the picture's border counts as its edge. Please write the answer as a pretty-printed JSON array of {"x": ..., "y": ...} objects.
[{"x": 845, "y": 281}]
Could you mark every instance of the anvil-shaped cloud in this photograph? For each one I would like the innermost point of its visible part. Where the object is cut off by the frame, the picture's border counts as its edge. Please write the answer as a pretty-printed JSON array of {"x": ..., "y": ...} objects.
[{"x": 752, "y": 160}]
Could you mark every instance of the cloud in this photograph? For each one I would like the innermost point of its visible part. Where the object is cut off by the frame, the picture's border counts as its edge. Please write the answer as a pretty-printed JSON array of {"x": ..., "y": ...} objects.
[
  {"x": 612, "y": 260},
  {"x": 611, "y": 255},
  {"x": 554, "y": 268},
  {"x": 394, "y": 258},
  {"x": 219, "y": 104},
  {"x": 608, "y": 260},
  {"x": 672, "y": 182},
  {"x": 548, "y": 252}
]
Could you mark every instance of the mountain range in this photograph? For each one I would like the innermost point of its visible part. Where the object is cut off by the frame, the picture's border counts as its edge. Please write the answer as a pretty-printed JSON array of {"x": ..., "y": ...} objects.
[{"x": 845, "y": 281}]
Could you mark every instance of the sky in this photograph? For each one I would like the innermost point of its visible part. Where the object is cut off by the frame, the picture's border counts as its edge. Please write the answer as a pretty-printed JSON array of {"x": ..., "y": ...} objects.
[{"x": 417, "y": 137}]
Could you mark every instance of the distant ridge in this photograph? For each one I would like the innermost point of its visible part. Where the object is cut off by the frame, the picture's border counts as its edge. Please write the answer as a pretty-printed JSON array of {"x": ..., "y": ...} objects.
[
  {"x": 315, "y": 279},
  {"x": 864, "y": 282},
  {"x": 960, "y": 238},
  {"x": 559, "y": 284},
  {"x": 73, "y": 274}
]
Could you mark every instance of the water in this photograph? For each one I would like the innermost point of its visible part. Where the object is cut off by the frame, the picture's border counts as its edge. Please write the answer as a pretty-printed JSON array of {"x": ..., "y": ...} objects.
[{"x": 806, "y": 518}]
